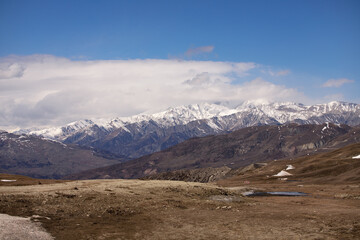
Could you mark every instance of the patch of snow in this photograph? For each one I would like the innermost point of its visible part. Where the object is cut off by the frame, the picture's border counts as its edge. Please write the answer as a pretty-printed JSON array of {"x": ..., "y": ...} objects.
[
  {"x": 248, "y": 193},
  {"x": 356, "y": 157},
  {"x": 325, "y": 127},
  {"x": 7, "y": 180},
  {"x": 213, "y": 125},
  {"x": 290, "y": 167},
  {"x": 282, "y": 174},
  {"x": 55, "y": 141}
]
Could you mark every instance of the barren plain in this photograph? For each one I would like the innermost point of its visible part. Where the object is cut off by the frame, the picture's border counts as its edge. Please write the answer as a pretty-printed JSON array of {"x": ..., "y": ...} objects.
[{"x": 153, "y": 209}]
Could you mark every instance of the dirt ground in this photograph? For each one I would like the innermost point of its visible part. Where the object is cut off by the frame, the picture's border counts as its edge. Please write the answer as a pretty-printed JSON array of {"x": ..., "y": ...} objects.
[{"x": 150, "y": 209}]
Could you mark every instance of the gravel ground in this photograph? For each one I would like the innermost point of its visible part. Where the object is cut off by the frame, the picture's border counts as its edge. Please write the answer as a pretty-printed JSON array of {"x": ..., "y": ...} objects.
[{"x": 21, "y": 228}]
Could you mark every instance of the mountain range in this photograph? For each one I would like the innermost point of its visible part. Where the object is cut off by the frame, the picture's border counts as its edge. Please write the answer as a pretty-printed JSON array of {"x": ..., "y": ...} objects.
[{"x": 136, "y": 136}]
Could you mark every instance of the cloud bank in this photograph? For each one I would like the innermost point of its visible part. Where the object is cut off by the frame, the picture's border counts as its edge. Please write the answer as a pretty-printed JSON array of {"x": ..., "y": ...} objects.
[{"x": 44, "y": 90}]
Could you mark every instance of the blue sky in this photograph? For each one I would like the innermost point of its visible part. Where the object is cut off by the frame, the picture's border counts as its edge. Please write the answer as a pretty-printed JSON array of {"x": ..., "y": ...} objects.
[
  {"x": 293, "y": 34},
  {"x": 299, "y": 45}
]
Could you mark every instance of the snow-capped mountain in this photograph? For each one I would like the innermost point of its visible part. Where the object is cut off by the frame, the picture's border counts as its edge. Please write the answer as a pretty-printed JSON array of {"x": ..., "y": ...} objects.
[
  {"x": 146, "y": 133},
  {"x": 315, "y": 114},
  {"x": 173, "y": 116}
]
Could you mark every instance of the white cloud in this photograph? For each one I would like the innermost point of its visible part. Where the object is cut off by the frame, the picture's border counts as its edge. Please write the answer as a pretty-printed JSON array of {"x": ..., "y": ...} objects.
[
  {"x": 55, "y": 91},
  {"x": 200, "y": 79},
  {"x": 206, "y": 79},
  {"x": 12, "y": 70},
  {"x": 283, "y": 73},
  {"x": 337, "y": 82},
  {"x": 199, "y": 50},
  {"x": 279, "y": 73}
]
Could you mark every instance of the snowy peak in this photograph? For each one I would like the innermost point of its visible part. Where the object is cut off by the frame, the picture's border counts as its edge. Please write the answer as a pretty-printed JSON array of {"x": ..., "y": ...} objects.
[
  {"x": 59, "y": 132},
  {"x": 289, "y": 111},
  {"x": 335, "y": 107},
  {"x": 21, "y": 141},
  {"x": 218, "y": 118},
  {"x": 173, "y": 116},
  {"x": 186, "y": 114}
]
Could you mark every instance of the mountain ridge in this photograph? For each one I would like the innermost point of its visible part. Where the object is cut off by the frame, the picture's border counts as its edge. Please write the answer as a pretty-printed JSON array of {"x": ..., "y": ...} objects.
[
  {"x": 143, "y": 134},
  {"x": 36, "y": 157}
]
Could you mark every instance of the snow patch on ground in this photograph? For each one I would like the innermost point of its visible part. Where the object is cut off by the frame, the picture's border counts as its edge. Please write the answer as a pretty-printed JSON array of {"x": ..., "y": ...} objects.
[
  {"x": 290, "y": 167},
  {"x": 282, "y": 174},
  {"x": 356, "y": 157},
  {"x": 326, "y": 127},
  {"x": 7, "y": 180}
]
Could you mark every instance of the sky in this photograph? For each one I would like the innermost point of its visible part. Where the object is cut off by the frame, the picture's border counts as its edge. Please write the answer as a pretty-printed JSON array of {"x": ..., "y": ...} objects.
[{"x": 62, "y": 61}]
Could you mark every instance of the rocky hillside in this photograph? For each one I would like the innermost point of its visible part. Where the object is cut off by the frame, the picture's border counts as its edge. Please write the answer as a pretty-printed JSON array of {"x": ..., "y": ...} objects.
[
  {"x": 202, "y": 175},
  {"x": 36, "y": 157},
  {"x": 334, "y": 167},
  {"x": 234, "y": 150}
]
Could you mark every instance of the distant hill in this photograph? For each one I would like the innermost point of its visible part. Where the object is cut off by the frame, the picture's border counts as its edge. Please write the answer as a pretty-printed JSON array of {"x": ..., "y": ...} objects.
[
  {"x": 334, "y": 167},
  {"x": 36, "y": 157},
  {"x": 234, "y": 150}
]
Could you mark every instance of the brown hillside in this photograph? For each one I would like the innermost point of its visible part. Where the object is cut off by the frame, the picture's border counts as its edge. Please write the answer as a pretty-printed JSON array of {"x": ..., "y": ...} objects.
[
  {"x": 39, "y": 158},
  {"x": 335, "y": 167},
  {"x": 234, "y": 150}
]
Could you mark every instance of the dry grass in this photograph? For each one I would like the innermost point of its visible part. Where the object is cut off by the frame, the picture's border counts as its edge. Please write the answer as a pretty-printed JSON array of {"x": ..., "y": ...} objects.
[{"x": 135, "y": 209}]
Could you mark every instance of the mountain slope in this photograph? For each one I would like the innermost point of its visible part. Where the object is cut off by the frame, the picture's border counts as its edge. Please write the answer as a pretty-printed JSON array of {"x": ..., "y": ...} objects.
[
  {"x": 334, "y": 167},
  {"x": 143, "y": 134},
  {"x": 234, "y": 150},
  {"x": 36, "y": 157}
]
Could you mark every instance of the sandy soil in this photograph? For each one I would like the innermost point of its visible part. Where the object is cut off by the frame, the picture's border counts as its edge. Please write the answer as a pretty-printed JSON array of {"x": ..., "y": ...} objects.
[{"x": 136, "y": 209}]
